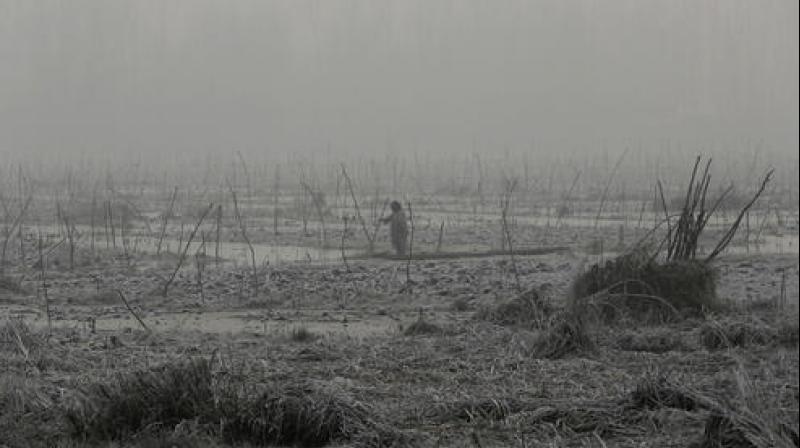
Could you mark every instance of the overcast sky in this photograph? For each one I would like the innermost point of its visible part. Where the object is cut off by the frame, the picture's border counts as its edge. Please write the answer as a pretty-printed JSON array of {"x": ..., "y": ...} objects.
[{"x": 449, "y": 76}]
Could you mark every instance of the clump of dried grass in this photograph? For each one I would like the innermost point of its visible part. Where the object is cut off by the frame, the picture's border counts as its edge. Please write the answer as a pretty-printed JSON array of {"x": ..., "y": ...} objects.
[
  {"x": 751, "y": 419},
  {"x": 422, "y": 327},
  {"x": 728, "y": 332},
  {"x": 163, "y": 397},
  {"x": 475, "y": 409},
  {"x": 461, "y": 304},
  {"x": 301, "y": 414},
  {"x": 529, "y": 309},
  {"x": 754, "y": 416},
  {"x": 656, "y": 340},
  {"x": 657, "y": 390},
  {"x": 16, "y": 337},
  {"x": 565, "y": 333},
  {"x": 636, "y": 285},
  {"x": 303, "y": 334},
  {"x": 283, "y": 413},
  {"x": 605, "y": 419},
  {"x": 21, "y": 395}
]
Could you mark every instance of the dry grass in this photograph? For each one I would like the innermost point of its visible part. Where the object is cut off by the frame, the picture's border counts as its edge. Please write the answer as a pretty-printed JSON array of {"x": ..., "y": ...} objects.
[
  {"x": 542, "y": 377},
  {"x": 657, "y": 390},
  {"x": 21, "y": 395},
  {"x": 461, "y": 304},
  {"x": 164, "y": 397},
  {"x": 752, "y": 418},
  {"x": 303, "y": 334},
  {"x": 529, "y": 309},
  {"x": 174, "y": 395},
  {"x": 600, "y": 418},
  {"x": 301, "y": 414},
  {"x": 747, "y": 331},
  {"x": 565, "y": 333},
  {"x": 422, "y": 327},
  {"x": 17, "y": 338},
  {"x": 652, "y": 340},
  {"x": 634, "y": 285},
  {"x": 476, "y": 409}
]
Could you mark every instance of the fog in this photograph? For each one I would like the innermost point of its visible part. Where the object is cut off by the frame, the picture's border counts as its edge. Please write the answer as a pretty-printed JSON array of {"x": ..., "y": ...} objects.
[{"x": 149, "y": 78}]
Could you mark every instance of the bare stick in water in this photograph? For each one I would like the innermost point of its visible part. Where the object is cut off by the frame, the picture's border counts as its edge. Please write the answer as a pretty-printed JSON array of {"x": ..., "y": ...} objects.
[
  {"x": 133, "y": 313},
  {"x": 165, "y": 220},
  {"x": 728, "y": 237},
  {"x": 608, "y": 185},
  {"x": 10, "y": 230},
  {"x": 243, "y": 229},
  {"x": 370, "y": 238},
  {"x": 186, "y": 249},
  {"x": 505, "y": 206}
]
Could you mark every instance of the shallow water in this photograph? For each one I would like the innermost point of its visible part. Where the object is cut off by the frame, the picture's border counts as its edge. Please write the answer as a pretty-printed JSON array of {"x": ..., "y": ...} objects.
[
  {"x": 228, "y": 322},
  {"x": 274, "y": 254}
]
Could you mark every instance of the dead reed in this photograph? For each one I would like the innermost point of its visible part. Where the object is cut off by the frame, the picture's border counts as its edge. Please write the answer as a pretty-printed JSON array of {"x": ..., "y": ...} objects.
[
  {"x": 185, "y": 250},
  {"x": 637, "y": 284}
]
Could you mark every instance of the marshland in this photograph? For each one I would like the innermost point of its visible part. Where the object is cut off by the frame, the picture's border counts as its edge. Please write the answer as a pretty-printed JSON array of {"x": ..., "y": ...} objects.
[
  {"x": 426, "y": 223},
  {"x": 262, "y": 306}
]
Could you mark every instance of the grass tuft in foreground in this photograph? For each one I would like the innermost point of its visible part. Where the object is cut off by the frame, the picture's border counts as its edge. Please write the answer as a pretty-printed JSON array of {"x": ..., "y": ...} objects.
[
  {"x": 160, "y": 400},
  {"x": 751, "y": 419},
  {"x": 137, "y": 400},
  {"x": 298, "y": 415}
]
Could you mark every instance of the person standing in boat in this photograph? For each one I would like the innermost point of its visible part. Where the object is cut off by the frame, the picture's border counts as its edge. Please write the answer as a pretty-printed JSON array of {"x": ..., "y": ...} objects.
[{"x": 398, "y": 230}]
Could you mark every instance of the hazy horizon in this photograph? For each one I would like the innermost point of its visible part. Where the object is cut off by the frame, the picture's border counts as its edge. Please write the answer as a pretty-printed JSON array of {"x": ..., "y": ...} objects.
[{"x": 151, "y": 79}]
